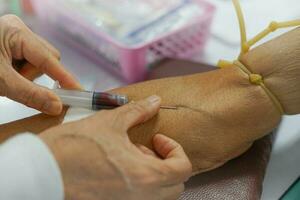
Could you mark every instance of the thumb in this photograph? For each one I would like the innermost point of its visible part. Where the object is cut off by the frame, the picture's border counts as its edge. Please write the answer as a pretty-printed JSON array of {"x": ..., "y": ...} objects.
[
  {"x": 32, "y": 95},
  {"x": 175, "y": 159},
  {"x": 135, "y": 113}
]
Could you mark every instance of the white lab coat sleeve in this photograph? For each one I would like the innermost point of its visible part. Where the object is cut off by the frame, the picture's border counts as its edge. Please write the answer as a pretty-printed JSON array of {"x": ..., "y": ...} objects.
[{"x": 28, "y": 170}]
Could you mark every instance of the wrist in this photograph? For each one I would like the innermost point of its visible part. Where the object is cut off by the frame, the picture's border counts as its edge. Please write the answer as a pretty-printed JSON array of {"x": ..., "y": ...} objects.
[
  {"x": 279, "y": 66},
  {"x": 259, "y": 105}
]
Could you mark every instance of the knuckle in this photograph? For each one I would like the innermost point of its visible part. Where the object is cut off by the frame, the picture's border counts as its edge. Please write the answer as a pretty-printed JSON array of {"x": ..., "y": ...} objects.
[
  {"x": 13, "y": 36},
  {"x": 12, "y": 23}
]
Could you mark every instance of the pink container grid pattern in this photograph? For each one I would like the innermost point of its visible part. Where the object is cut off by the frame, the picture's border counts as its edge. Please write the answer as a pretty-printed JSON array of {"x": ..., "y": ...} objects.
[{"x": 131, "y": 62}]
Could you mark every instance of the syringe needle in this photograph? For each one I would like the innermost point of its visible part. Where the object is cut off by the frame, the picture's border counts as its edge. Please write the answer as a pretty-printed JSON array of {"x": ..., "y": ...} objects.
[{"x": 169, "y": 107}]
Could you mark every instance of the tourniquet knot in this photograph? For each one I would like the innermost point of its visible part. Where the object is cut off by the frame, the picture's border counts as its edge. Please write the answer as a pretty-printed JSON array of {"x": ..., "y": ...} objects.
[{"x": 256, "y": 79}]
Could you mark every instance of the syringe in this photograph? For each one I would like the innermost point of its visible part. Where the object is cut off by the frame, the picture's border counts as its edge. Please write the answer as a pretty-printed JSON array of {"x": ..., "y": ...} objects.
[
  {"x": 90, "y": 99},
  {"x": 94, "y": 100}
]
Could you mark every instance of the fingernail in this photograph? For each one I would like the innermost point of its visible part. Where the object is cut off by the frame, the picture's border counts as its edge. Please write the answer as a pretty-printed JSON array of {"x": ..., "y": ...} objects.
[
  {"x": 153, "y": 99},
  {"x": 53, "y": 107}
]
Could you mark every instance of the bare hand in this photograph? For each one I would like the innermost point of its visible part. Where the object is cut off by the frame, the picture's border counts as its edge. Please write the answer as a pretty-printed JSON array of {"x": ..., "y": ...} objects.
[
  {"x": 98, "y": 161},
  {"x": 19, "y": 44}
]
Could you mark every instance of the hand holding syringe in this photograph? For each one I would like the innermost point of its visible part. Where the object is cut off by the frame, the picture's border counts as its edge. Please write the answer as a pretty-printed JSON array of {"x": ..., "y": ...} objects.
[{"x": 93, "y": 100}]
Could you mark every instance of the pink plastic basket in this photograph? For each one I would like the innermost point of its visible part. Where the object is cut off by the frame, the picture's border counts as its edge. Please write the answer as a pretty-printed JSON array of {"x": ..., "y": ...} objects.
[{"x": 133, "y": 62}]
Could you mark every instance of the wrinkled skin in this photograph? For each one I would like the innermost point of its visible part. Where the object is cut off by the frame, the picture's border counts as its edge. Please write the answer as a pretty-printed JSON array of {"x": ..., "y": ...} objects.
[{"x": 220, "y": 113}]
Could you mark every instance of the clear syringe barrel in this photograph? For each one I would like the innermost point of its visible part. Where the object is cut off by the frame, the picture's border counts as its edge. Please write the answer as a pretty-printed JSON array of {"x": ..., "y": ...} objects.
[
  {"x": 75, "y": 98},
  {"x": 90, "y": 100}
]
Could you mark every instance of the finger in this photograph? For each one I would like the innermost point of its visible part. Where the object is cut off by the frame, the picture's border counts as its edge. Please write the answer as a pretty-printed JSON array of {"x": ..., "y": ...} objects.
[
  {"x": 133, "y": 114},
  {"x": 172, "y": 192},
  {"x": 145, "y": 150},
  {"x": 179, "y": 167},
  {"x": 30, "y": 72},
  {"x": 32, "y": 95},
  {"x": 27, "y": 69},
  {"x": 42, "y": 58},
  {"x": 50, "y": 47}
]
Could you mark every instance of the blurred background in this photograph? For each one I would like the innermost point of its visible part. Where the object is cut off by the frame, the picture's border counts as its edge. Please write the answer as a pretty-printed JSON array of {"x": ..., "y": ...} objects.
[
  {"x": 106, "y": 44},
  {"x": 219, "y": 23}
]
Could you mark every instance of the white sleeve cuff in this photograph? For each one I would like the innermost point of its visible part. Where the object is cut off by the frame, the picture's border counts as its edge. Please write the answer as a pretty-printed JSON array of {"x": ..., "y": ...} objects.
[{"x": 28, "y": 170}]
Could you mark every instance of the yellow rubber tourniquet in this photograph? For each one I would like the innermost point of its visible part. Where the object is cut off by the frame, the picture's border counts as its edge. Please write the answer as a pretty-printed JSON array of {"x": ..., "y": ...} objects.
[{"x": 257, "y": 79}]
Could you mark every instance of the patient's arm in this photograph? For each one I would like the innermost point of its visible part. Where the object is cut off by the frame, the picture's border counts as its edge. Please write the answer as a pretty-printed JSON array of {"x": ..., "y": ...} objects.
[{"x": 220, "y": 113}]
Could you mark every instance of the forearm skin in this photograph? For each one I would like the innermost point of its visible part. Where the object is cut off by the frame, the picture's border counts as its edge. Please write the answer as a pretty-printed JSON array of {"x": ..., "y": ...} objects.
[{"x": 220, "y": 113}]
